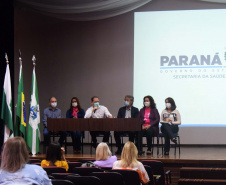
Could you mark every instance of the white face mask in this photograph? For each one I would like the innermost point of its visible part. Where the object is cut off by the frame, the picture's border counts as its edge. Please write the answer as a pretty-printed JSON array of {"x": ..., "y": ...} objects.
[
  {"x": 168, "y": 105},
  {"x": 54, "y": 104},
  {"x": 147, "y": 104},
  {"x": 75, "y": 104}
]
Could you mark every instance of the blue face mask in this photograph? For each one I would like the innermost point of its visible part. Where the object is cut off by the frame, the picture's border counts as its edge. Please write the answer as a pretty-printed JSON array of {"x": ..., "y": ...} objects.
[
  {"x": 96, "y": 104},
  {"x": 126, "y": 103}
]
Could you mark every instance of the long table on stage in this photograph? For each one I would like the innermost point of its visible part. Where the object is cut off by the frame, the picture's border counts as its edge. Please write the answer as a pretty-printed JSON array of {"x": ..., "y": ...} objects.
[{"x": 93, "y": 124}]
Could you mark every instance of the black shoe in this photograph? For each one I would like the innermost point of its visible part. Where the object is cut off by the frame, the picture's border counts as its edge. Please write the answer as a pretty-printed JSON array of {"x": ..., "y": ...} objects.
[
  {"x": 118, "y": 152},
  {"x": 174, "y": 140},
  {"x": 166, "y": 153}
]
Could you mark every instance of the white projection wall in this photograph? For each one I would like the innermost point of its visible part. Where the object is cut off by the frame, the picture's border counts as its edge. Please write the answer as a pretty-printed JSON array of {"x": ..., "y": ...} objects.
[{"x": 182, "y": 54}]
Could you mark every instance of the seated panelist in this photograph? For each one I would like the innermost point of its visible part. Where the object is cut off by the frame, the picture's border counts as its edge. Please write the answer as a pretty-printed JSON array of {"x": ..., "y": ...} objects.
[
  {"x": 127, "y": 111},
  {"x": 52, "y": 112},
  {"x": 170, "y": 119},
  {"x": 75, "y": 111},
  {"x": 98, "y": 111}
]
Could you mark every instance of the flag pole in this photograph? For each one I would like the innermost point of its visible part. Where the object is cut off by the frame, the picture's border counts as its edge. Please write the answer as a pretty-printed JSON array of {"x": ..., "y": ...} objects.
[
  {"x": 20, "y": 126},
  {"x": 33, "y": 139},
  {"x": 6, "y": 114}
]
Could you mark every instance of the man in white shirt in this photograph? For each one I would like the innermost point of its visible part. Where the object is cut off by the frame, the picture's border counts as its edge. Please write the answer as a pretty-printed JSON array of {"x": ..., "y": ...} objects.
[{"x": 98, "y": 111}]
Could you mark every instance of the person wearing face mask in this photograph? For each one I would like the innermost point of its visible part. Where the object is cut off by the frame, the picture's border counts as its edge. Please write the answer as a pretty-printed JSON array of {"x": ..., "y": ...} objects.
[
  {"x": 75, "y": 111},
  {"x": 170, "y": 119},
  {"x": 149, "y": 117},
  {"x": 52, "y": 112},
  {"x": 127, "y": 111},
  {"x": 98, "y": 111}
]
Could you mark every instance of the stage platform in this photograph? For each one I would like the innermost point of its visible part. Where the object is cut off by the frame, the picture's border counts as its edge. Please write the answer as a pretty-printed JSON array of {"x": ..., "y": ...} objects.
[{"x": 190, "y": 156}]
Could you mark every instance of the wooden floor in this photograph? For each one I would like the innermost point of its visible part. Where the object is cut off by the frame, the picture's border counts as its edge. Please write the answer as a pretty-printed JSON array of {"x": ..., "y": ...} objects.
[{"x": 198, "y": 156}]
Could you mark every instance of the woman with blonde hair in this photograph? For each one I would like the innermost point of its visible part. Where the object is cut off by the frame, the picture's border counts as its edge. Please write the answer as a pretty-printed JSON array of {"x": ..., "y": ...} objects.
[
  {"x": 129, "y": 161},
  {"x": 104, "y": 156},
  {"x": 14, "y": 167}
]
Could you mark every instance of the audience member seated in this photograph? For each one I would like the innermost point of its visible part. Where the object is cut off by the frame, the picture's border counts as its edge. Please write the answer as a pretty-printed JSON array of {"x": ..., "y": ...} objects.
[
  {"x": 104, "y": 156},
  {"x": 129, "y": 162},
  {"x": 14, "y": 167},
  {"x": 55, "y": 156}
]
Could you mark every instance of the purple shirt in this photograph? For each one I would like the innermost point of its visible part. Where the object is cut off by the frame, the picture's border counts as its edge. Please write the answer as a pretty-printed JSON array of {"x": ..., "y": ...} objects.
[{"x": 106, "y": 163}]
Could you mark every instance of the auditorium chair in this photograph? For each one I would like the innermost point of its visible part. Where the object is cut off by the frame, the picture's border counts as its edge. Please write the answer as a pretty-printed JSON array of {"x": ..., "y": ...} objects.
[
  {"x": 106, "y": 169},
  {"x": 51, "y": 177},
  {"x": 86, "y": 160},
  {"x": 85, "y": 171},
  {"x": 153, "y": 180},
  {"x": 72, "y": 165},
  {"x": 34, "y": 161},
  {"x": 84, "y": 180},
  {"x": 159, "y": 171},
  {"x": 62, "y": 175},
  {"x": 130, "y": 177},
  {"x": 53, "y": 169},
  {"x": 109, "y": 178},
  {"x": 176, "y": 135},
  {"x": 100, "y": 135},
  {"x": 61, "y": 182}
]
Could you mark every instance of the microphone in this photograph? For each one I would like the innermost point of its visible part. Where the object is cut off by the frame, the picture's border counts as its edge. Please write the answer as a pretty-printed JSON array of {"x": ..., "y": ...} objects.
[{"x": 94, "y": 110}]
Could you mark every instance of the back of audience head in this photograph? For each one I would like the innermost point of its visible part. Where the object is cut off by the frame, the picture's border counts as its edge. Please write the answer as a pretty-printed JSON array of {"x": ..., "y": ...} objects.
[
  {"x": 103, "y": 152},
  {"x": 54, "y": 152},
  {"x": 129, "y": 154},
  {"x": 14, "y": 155}
]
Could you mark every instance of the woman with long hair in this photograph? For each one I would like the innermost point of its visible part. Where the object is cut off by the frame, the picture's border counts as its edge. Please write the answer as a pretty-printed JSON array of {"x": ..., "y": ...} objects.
[
  {"x": 104, "y": 156},
  {"x": 55, "y": 156},
  {"x": 149, "y": 117},
  {"x": 170, "y": 119},
  {"x": 75, "y": 111},
  {"x": 14, "y": 167},
  {"x": 129, "y": 161}
]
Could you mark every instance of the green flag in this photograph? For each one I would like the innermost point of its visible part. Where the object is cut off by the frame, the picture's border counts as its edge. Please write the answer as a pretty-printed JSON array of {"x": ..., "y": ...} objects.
[
  {"x": 6, "y": 114},
  {"x": 33, "y": 132},
  {"x": 20, "y": 113}
]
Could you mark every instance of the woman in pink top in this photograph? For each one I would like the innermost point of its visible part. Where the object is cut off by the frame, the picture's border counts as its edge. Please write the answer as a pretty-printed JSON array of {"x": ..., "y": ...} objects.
[{"x": 150, "y": 121}]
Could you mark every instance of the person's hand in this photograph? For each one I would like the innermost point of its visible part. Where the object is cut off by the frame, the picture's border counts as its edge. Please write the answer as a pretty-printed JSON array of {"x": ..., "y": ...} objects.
[
  {"x": 147, "y": 127},
  {"x": 45, "y": 132},
  {"x": 94, "y": 108},
  {"x": 167, "y": 120},
  {"x": 63, "y": 154},
  {"x": 62, "y": 150}
]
